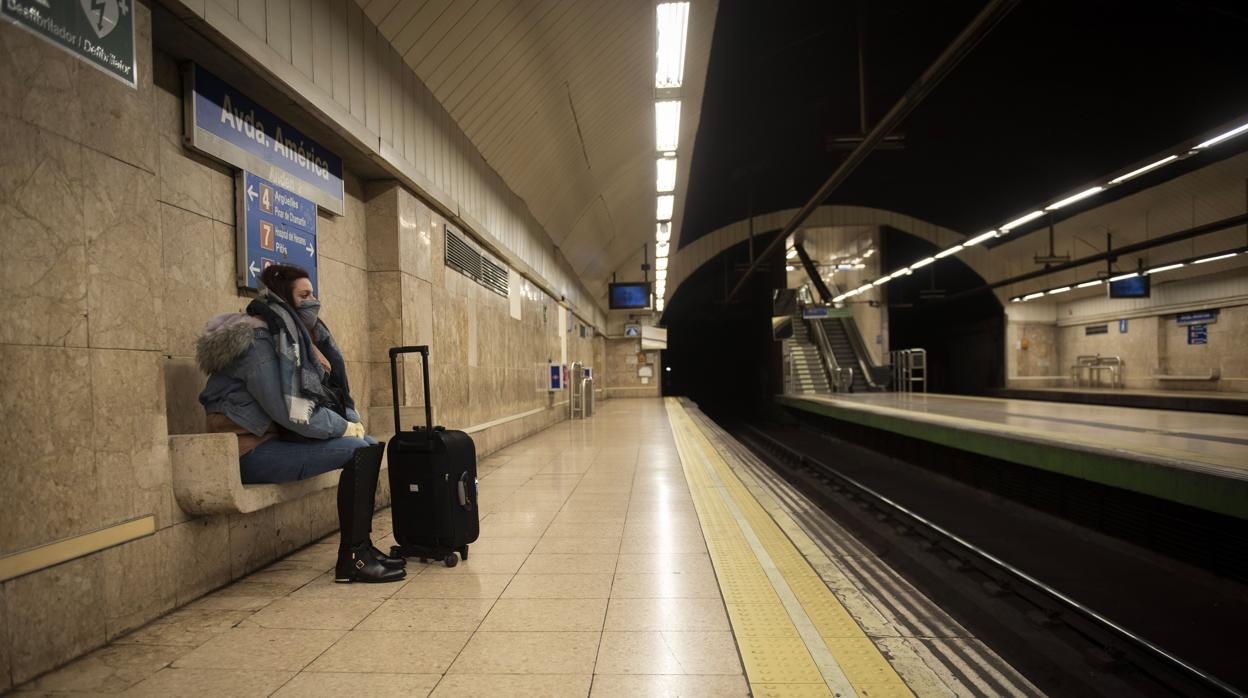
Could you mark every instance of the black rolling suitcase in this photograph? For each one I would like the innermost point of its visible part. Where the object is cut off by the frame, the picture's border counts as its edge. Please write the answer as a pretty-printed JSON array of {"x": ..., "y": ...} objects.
[{"x": 433, "y": 482}]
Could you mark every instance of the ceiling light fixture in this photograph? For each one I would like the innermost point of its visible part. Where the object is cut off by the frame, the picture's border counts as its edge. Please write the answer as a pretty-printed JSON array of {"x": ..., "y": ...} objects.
[
  {"x": 673, "y": 26},
  {"x": 862, "y": 288},
  {"x": 660, "y": 263},
  {"x": 1215, "y": 258},
  {"x": 900, "y": 272},
  {"x": 790, "y": 267},
  {"x": 665, "y": 169},
  {"x": 658, "y": 304},
  {"x": 791, "y": 253},
  {"x": 868, "y": 253},
  {"x": 664, "y": 210},
  {"x": 922, "y": 263},
  {"x": 1218, "y": 139},
  {"x": 1077, "y": 197},
  {"x": 980, "y": 238},
  {"x": 1021, "y": 221},
  {"x": 1055, "y": 291},
  {"x": 663, "y": 231},
  {"x": 1136, "y": 173},
  {"x": 1087, "y": 284},
  {"x": 661, "y": 249},
  {"x": 881, "y": 281},
  {"x": 1030, "y": 296},
  {"x": 660, "y": 275},
  {"x": 1124, "y": 276},
  {"x": 1167, "y": 267},
  {"x": 945, "y": 253},
  {"x": 667, "y": 124}
]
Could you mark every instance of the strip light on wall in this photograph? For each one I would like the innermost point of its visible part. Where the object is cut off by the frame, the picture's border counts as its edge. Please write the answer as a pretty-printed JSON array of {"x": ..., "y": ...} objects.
[
  {"x": 1147, "y": 168},
  {"x": 1155, "y": 270}
]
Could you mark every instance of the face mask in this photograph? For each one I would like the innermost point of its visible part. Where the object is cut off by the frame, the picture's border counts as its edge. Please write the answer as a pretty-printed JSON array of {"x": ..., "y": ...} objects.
[{"x": 308, "y": 310}]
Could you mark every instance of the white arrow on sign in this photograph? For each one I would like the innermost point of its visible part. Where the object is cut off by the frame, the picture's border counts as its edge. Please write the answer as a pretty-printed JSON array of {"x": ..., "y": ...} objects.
[
  {"x": 311, "y": 250},
  {"x": 251, "y": 193},
  {"x": 252, "y": 268}
]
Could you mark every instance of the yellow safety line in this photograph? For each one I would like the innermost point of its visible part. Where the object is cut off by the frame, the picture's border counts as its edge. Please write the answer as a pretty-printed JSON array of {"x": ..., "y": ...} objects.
[{"x": 795, "y": 637}]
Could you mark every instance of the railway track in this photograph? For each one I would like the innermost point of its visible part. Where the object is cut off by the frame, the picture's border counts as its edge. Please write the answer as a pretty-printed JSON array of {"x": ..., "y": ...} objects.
[{"x": 1062, "y": 644}]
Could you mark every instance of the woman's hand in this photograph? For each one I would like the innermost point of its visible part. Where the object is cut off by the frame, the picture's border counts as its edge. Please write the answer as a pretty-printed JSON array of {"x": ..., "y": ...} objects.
[{"x": 355, "y": 430}]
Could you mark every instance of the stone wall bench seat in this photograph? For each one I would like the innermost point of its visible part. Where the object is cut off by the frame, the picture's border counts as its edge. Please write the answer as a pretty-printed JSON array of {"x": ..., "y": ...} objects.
[{"x": 206, "y": 478}]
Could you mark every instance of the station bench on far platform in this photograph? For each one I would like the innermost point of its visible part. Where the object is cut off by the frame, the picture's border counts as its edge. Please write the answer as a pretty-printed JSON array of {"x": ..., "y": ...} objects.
[{"x": 206, "y": 478}]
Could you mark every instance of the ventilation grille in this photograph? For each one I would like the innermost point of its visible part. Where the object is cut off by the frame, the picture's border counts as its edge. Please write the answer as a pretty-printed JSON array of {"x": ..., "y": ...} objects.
[{"x": 462, "y": 258}]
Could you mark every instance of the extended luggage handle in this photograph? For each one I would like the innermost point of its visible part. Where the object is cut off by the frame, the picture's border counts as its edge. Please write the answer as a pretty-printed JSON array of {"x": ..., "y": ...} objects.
[{"x": 423, "y": 350}]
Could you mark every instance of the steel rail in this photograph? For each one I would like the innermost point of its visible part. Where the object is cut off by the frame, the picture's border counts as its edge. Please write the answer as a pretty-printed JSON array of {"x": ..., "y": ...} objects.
[
  {"x": 979, "y": 27},
  {"x": 1106, "y": 623}
]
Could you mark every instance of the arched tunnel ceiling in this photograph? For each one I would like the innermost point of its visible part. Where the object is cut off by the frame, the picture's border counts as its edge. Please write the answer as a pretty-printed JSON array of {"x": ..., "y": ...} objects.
[
  {"x": 1060, "y": 93},
  {"x": 558, "y": 96}
]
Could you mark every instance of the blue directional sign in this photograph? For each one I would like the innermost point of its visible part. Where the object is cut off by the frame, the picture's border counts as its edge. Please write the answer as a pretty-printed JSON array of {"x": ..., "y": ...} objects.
[
  {"x": 1197, "y": 334},
  {"x": 275, "y": 226},
  {"x": 228, "y": 125}
]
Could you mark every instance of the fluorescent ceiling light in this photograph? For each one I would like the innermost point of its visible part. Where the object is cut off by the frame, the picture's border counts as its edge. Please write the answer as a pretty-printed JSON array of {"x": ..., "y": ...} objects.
[
  {"x": 1214, "y": 259},
  {"x": 664, "y": 210},
  {"x": 1020, "y": 221},
  {"x": 980, "y": 238},
  {"x": 1077, "y": 197},
  {"x": 1086, "y": 284},
  {"x": 840, "y": 298},
  {"x": 1030, "y": 296},
  {"x": 1055, "y": 291},
  {"x": 666, "y": 125},
  {"x": 864, "y": 287},
  {"x": 791, "y": 253},
  {"x": 1124, "y": 276},
  {"x": 663, "y": 232},
  {"x": 666, "y": 170},
  {"x": 660, "y": 263},
  {"x": 1167, "y": 267},
  {"x": 868, "y": 253},
  {"x": 660, "y": 275},
  {"x": 673, "y": 26},
  {"x": 790, "y": 267},
  {"x": 860, "y": 266},
  {"x": 945, "y": 253},
  {"x": 900, "y": 272},
  {"x": 922, "y": 263},
  {"x": 1218, "y": 139},
  {"x": 1142, "y": 170},
  {"x": 661, "y": 249},
  {"x": 658, "y": 305},
  {"x": 881, "y": 281},
  {"x": 1016, "y": 299}
]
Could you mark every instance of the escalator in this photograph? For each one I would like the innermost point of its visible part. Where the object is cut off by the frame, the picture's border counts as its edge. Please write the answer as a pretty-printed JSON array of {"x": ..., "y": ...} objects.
[{"x": 843, "y": 350}]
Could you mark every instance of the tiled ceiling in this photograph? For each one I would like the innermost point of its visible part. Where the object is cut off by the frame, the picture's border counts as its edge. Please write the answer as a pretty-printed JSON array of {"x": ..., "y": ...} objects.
[{"x": 558, "y": 96}]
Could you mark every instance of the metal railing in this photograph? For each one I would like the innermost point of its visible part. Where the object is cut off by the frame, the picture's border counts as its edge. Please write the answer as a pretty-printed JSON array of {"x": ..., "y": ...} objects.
[
  {"x": 580, "y": 393},
  {"x": 909, "y": 367},
  {"x": 828, "y": 359}
]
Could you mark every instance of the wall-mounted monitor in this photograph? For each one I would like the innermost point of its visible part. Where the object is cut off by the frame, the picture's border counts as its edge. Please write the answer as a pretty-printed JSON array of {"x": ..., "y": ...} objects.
[
  {"x": 628, "y": 296},
  {"x": 1134, "y": 287}
]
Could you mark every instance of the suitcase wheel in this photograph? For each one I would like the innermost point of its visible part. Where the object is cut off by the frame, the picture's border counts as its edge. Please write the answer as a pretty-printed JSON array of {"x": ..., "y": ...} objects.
[
  {"x": 451, "y": 560},
  {"x": 463, "y": 552}
]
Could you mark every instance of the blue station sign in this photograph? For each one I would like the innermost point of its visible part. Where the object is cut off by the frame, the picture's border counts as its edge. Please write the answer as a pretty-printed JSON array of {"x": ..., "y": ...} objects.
[
  {"x": 1204, "y": 317},
  {"x": 275, "y": 226},
  {"x": 228, "y": 125}
]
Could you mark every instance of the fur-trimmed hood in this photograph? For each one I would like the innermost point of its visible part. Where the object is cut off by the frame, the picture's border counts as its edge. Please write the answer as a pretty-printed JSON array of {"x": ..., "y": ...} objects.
[{"x": 226, "y": 337}]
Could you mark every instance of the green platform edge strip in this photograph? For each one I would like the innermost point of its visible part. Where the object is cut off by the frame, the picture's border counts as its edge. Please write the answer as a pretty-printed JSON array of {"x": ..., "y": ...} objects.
[{"x": 1210, "y": 492}]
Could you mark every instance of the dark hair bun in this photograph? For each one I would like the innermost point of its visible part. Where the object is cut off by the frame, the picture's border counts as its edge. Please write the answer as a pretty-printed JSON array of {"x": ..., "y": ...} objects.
[{"x": 279, "y": 278}]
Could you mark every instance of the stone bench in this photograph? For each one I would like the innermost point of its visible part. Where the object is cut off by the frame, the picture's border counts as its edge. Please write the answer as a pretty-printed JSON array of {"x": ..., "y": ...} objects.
[{"x": 206, "y": 478}]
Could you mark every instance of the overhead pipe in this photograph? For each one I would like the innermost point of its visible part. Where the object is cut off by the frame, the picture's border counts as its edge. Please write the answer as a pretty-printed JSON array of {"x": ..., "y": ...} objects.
[
  {"x": 974, "y": 32},
  {"x": 812, "y": 271}
]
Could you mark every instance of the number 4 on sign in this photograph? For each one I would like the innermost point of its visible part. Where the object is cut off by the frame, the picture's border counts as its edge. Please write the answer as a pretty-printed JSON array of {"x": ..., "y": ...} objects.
[{"x": 266, "y": 199}]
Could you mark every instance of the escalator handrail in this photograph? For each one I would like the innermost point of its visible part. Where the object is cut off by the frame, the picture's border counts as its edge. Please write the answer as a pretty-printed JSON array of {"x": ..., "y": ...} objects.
[{"x": 860, "y": 350}]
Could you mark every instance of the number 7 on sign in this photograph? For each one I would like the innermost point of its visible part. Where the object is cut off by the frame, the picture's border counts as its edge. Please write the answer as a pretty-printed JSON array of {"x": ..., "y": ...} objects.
[{"x": 266, "y": 235}]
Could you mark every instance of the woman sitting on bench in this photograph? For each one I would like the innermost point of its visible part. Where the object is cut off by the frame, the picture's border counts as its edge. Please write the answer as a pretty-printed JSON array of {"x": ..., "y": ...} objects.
[{"x": 277, "y": 379}]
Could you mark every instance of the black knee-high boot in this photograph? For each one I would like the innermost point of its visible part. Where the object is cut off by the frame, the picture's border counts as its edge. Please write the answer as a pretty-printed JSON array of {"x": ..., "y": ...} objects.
[{"x": 358, "y": 560}]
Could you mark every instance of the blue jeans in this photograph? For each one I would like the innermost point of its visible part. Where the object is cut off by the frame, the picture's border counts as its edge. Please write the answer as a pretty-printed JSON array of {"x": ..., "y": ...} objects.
[{"x": 286, "y": 461}]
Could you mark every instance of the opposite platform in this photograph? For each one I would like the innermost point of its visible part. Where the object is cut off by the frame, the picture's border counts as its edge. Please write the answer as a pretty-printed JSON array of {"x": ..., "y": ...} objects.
[{"x": 1196, "y": 459}]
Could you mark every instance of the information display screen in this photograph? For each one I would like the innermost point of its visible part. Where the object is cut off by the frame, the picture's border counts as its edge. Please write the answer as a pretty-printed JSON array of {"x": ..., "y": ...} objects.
[
  {"x": 629, "y": 296},
  {"x": 1134, "y": 287}
]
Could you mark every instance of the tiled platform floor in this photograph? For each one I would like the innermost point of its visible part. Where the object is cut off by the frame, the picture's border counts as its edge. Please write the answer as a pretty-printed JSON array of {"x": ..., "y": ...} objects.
[{"x": 591, "y": 577}]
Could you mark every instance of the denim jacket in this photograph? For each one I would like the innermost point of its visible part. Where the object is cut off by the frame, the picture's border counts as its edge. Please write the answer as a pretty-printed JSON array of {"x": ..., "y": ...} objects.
[{"x": 237, "y": 353}]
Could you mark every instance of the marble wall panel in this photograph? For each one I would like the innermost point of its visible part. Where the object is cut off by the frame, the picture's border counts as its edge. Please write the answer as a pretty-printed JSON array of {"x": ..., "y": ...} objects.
[
  {"x": 192, "y": 291},
  {"x": 130, "y": 435},
  {"x": 345, "y": 298},
  {"x": 416, "y": 237},
  {"x": 123, "y": 129},
  {"x": 418, "y": 315},
  {"x": 251, "y": 541},
  {"x": 437, "y": 239},
  {"x": 385, "y": 314},
  {"x": 202, "y": 547},
  {"x": 382, "y": 226},
  {"x": 187, "y": 180},
  {"x": 46, "y": 438},
  {"x": 449, "y": 388},
  {"x": 139, "y": 582},
  {"x": 67, "y": 598},
  {"x": 343, "y": 238},
  {"x": 39, "y": 81},
  {"x": 474, "y": 335},
  {"x": 42, "y": 244},
  {"x": 124, "y": 274},
  {"x": 6, "y": 665},
  {"x": 183, "y": 383},
  {"x": 450, "y": 328}
]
